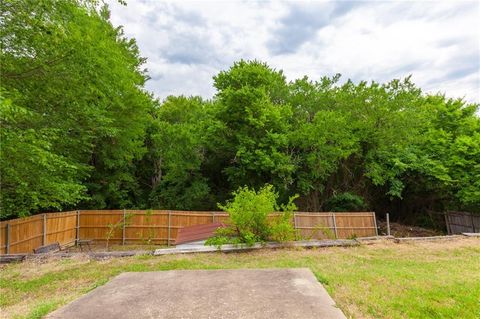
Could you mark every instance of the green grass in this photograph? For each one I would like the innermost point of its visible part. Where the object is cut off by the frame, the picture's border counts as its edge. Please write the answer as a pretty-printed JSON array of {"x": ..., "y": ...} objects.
[
  {"x": 41, "y": 310},
  {"x": 386, "y": 280}
]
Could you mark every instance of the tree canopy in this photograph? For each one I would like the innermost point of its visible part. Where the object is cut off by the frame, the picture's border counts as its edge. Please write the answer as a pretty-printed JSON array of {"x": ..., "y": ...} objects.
[{"x": 80, "y": 131}]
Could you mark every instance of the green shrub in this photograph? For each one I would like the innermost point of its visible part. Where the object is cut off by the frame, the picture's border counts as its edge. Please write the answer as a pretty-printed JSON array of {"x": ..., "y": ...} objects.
[
  {"x": 345, "y": 202},
  {"x": 282, "y": 231},
  {"x": 248, "y": 211},
  {"x": 223, "y": 236},
  {"x": 281, "y": 228}
]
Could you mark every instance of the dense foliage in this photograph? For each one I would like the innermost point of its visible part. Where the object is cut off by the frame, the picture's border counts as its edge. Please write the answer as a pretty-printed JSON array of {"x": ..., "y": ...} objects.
[
  {"x": 79, "y": 130},
  {"x": 73, "y": 109}
]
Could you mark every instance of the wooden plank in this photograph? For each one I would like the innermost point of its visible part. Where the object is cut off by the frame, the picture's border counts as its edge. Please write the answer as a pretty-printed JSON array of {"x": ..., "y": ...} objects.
[
  {"x": 77, "y": 227},
  {"x": 47, "y": 248},
  {"x": 44, "y": 240},
  {"x": 335, "y": 229},
  {"x": 7, "y": 240},
  {"x": 5, "y": 259},
  {"x": 197, "y": 232},
  {"x": 123, "y": 226},
  {"x": 169, "y": 227},
  {"x": 25, "y": 240}
]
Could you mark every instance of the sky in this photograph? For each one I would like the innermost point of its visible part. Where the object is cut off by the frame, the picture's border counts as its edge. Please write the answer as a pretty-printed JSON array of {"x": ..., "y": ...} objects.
[{"x": 186, "y": 43}]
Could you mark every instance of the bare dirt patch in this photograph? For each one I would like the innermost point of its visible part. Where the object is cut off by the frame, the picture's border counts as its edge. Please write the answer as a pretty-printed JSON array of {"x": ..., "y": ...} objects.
[{"x": 400, "y": 230}]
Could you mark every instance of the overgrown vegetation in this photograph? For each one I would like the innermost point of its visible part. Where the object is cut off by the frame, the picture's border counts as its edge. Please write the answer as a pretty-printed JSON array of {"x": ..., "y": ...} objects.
[
  {"x": 345, "y": 202},
  {"x": 248, "y": 212},
  {"x": 418, "y": 280},
  {"x": 79, "y": 130}
]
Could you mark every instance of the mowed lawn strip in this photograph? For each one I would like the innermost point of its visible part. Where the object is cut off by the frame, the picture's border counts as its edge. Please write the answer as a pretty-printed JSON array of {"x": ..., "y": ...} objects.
[{"x": 383, "y": 280}]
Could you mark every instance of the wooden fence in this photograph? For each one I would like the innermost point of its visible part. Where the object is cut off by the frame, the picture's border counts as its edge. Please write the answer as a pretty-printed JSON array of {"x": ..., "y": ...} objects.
[
  {"x": 462, "y": 222},
  {"x": 158, "y": 227}
]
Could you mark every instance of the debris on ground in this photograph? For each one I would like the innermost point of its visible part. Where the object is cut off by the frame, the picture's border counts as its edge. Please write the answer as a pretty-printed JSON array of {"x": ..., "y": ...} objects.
[{"x": 400, "y": 230}]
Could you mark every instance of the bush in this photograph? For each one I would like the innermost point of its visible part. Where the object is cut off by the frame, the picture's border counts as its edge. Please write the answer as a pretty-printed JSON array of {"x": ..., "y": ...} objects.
[
  {"x": 223, "y": 236},
  {"x": 248, "y": 211},
  {"x": 281, "y": 228},
  {"x": 345, "y": 202}
]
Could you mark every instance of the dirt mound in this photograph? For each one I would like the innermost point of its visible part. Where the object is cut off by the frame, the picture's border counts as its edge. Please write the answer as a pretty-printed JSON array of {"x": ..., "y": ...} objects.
[{"x": 400, "y": 230}]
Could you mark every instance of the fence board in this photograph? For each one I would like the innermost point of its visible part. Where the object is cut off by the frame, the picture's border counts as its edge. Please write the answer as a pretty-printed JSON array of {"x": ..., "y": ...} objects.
[
  {"x": 355, "y": 225},
  {"x": 3, "y": 227},
  {"x": 93, "y": 224},
  {"x": 146, "y": 227},
  {"x": 61, "y": 228},
  {"x": 314, "y": 226},
  {"x": 25, "y": 233},
  {"x": 161, "y": 226},
  {"x": 462, "y": 222}
]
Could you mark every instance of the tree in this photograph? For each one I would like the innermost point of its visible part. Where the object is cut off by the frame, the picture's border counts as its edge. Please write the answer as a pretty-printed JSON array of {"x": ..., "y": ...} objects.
[
  {"x": 81, "y": 81},
  {"x": 256, "y": 120},
  {"x": 79, "y": 130},
  {"x": 447, "y": 170},
  {"x": 177, "y": 152},
  {"x": 33, "y": 177}
]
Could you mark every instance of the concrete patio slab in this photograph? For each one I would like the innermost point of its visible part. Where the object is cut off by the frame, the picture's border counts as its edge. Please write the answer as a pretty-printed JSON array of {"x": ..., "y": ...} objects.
[{"x": 244, "y": 293}]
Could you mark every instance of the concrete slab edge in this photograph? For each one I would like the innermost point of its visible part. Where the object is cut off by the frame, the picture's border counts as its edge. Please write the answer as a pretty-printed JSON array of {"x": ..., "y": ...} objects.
[
  {"x": 271, "y": 245},
  {"x": 471, "y": 234}
]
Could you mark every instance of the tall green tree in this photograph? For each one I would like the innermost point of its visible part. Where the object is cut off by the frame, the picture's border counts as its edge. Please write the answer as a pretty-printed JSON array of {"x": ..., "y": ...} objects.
[
  {"x": 176, "y": 155},
  {"x": 81, "y": 80},
  {"x": 252, "y": 107},
  {"x": 32, "y": 176},
  {"x": 446, "y": 173}
]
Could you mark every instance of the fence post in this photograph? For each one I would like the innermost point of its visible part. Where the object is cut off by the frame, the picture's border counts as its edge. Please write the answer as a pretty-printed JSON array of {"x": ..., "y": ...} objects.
[
  {"x": 335, "y": 226},
  {"x": 44, "y": 238},
  {"x": 473, "y": 223},
  {"x": 447, "y": 222},
  {"x": 123, "y": 226},
  {"x": 388, "y": 224},
  {"x": 295, "y": 225},
  {"x": 213, "y": 217},
  {"x": 168, "y": 229},
  {"x": 375, "y": 221},
  {"x": 77, "y": 235},
  {"x": 7, "y": 240}
]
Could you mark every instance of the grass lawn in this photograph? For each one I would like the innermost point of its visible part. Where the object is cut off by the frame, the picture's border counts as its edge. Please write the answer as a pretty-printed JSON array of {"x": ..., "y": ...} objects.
[{"x": 383, "y": 280}]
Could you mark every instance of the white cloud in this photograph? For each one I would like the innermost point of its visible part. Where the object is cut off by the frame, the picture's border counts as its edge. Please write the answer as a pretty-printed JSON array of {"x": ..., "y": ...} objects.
[{"x": 188, "y": 42}]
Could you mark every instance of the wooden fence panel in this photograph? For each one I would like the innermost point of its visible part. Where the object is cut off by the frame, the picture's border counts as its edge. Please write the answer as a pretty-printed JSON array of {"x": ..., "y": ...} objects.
[
  {"x": 3, "y": 238},
  {"x": 462, "y": 222},
  {"x": 221, "y": 217},
  {"x": 355, "y": 225},
  {"x": 25, "y": 234},
  {"x": 476, "y": 223},
  {"x": 148, "y": 227},
  {"x": 314, "y": 226},
  {"x": 61, "y": 228},
  {"x": 94, "y": 224},
  {"x": 160, "y": 226}
]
